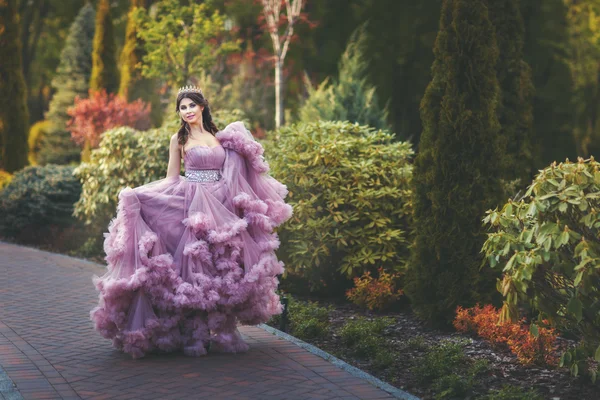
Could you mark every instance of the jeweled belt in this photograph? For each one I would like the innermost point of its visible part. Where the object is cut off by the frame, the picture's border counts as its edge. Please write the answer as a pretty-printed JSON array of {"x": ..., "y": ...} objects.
[{"x": 202, "y": 175}]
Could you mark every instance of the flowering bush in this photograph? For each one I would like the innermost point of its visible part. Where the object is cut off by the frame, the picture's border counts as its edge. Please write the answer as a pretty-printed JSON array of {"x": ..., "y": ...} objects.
[
  {"x": 91, "y": 117},
  {"x": 531, "y": 345},
  {"x": 375, "y": 293}
]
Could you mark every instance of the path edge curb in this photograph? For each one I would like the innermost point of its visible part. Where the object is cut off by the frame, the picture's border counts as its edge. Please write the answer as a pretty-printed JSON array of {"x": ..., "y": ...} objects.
[{"x": 394, "y": 391}]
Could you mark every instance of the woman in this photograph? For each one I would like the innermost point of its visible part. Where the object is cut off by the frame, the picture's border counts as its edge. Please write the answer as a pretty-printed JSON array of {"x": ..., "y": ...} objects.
[{"x": 189, "y": 257}]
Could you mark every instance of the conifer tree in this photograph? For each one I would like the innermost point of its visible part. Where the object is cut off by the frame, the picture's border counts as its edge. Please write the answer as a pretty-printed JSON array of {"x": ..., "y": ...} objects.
[
  {"x": 546, "y": 50},
  {"x": 132, "y": 85},
  {"x": 455, "y": 179},
  {"x": 71, "y": 80},
  {"x": 351, "y": 98},
  {"x": 105, "y": 74},
  {"x": 515, "y": 111},
  {"x": 14, "y": 116}
]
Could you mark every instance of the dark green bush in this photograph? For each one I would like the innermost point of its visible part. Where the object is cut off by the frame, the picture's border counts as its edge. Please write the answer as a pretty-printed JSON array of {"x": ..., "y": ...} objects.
[
  {"x": 348, "y": 185},
  {"x": 38, "y": 199}
]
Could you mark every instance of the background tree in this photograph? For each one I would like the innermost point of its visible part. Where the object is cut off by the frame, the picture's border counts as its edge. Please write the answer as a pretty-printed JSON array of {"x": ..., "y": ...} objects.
[
  {"x": 71, "y": 80},
  {"x": 14, "y": 117},
  {"x": 181, "y": 40},
  {"x": 281, "y": 42},
  {"x": 584, "y": 61},
  {"x": 515, "y": 112},
  {"x": 546, "y": 51},
  {"x": 44, "y": 27},
  {"x": 351, "y": 97},
  {"x": 456, "y": 170},
  {"x": 105, "y": 72},
  {"x": 132, "y": 85}
]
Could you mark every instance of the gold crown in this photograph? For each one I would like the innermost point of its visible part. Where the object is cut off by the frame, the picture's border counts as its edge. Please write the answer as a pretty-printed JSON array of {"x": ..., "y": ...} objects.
[{"x": 189, "y": 89}]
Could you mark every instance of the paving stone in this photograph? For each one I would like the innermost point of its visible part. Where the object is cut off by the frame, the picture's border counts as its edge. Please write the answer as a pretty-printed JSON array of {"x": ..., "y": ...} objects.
[{"x": 49, "y": 349}]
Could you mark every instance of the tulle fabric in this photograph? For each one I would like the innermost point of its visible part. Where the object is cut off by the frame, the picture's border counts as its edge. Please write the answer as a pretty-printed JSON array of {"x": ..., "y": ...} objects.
[{"x": 188, "y": 260}]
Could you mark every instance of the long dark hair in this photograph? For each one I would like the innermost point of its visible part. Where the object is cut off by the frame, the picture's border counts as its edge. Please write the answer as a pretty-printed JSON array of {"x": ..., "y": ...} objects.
[{"x": 207, "y": 121}]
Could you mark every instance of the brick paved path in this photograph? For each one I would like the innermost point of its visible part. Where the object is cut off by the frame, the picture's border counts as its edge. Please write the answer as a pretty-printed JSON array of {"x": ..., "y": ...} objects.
[{"x": 49, "y": 349}]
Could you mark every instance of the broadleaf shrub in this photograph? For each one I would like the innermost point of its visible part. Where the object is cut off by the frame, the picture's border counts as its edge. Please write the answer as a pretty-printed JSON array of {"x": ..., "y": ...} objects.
[
  {"x": 375, "y": 293},
  {"x": 548, "y": 246},
  {"x": 349, "y": 186},
  {"x": 517, "y": 337},
  {"x": 38, "y": 199},
  {"x": 125, "y": 157}
]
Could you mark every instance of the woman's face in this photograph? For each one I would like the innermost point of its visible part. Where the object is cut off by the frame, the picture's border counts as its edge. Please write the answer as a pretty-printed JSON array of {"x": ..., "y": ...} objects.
[{"x": 190, "y": 111}]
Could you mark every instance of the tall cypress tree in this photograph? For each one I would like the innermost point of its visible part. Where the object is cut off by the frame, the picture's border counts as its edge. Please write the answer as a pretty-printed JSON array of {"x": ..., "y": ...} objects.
[
  {"x": 456, "y": 170},
  {"x": 132, "y": 85},
  {"x": 71, "y": 80},
  {"x": 515, "y": 111},
  {"x": 14, "y": 116},
  {"x": 105, "y": 74}
]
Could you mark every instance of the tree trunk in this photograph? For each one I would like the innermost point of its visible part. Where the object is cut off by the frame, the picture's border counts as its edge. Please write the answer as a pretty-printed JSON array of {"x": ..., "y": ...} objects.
[{"x": 279, "y": 117}]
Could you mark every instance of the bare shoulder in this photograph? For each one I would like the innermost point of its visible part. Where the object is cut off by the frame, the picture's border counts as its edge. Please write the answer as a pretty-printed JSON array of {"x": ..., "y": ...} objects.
[{"x": 174, "y": 141}]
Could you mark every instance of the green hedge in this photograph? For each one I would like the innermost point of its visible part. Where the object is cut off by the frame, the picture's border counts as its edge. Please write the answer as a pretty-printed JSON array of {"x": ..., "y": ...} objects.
[{"x": 38, "y": 198}]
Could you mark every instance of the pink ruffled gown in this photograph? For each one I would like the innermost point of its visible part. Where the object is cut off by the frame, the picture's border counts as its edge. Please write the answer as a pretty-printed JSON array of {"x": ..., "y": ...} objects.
[{"x": 190, "y": 257}]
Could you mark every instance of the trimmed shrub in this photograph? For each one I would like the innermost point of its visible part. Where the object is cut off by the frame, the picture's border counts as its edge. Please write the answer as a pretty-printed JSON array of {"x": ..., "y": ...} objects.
[
  {"x": 348, "y": 185},
  {"x": 38, "y": 199},
  {"x": 125, "y": 157},
  {"x": 547, "y": 244}
]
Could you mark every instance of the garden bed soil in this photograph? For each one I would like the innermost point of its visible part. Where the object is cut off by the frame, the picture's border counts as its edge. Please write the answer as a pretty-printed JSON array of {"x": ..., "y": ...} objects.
[{"x": 409, "y": 340}]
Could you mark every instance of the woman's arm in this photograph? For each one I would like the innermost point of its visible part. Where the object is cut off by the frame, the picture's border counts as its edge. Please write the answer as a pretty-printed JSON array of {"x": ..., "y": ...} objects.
[{"x": 174, "y": 158}]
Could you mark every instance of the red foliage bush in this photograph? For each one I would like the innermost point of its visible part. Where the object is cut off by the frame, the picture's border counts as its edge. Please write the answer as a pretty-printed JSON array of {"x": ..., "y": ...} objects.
[
  {"x": 101, "y": 111},
  {"x": 529, "y": 349},
  {"x": 374, "y": 293}
]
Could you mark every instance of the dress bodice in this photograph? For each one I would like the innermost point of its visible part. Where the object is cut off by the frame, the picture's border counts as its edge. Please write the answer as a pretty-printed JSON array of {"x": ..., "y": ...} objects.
[{"x": 204, "y": 157}]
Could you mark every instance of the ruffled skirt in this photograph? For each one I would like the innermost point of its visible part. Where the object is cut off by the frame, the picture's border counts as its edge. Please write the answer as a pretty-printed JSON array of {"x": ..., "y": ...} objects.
[{"x": 186, "y": 262}]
